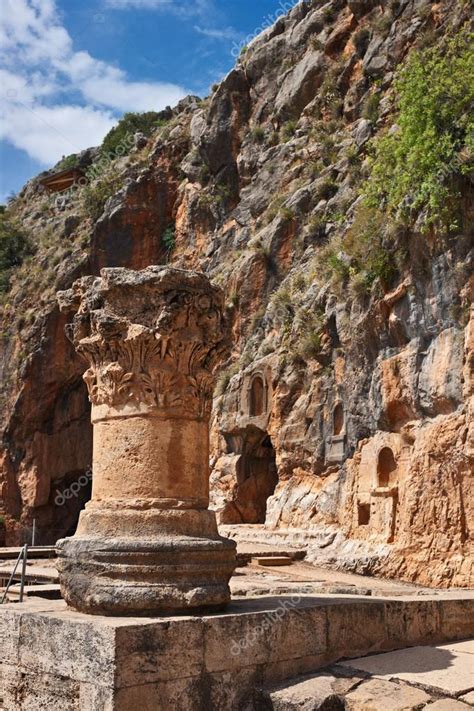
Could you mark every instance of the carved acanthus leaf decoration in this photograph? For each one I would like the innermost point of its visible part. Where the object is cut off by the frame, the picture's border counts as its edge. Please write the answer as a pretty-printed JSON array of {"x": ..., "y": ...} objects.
[{"x": 157, "y": 347}]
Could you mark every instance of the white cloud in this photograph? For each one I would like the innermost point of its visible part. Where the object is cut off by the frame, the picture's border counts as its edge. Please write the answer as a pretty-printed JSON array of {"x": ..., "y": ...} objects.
[
  {"x": 138, "y": 4},
  {"x": 143, "y": 96},
  {"x": 41, "y": 71},
  {"x": 183, "y": 8},
  {"x": 226, "y": 33},
  {"x": 108, "y": 86},
  {"x": 48, "y": 133}
]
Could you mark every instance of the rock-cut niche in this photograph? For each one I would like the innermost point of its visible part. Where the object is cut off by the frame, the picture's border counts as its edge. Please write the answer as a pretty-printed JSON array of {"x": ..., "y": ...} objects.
[
  {"x": 338, "y": 419},
  {"x": 257, "y": 405},
  {"x": 386, "y": 468},
  {"x": 256, "y": 476}
]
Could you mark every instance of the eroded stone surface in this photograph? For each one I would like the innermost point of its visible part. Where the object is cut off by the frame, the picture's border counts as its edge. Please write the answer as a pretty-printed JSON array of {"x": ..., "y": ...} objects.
[
  {"x": 320, "y": 692},
  {"x": 146, "y": 541},
  {"x": 377, "y": 695},
  {"x": 438, "y": 668},
  {"x": 448, "y": 705}
]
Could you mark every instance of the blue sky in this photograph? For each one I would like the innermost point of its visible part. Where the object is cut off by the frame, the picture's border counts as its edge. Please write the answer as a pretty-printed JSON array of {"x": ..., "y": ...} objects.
[{"x": 70, "y": 68}]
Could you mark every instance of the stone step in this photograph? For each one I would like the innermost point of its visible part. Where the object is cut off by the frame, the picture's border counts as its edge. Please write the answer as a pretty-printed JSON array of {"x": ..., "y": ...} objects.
[
  {"x": 47, "y": 592},
  {"x": 271, "y": 560},
  {"x": 34, "y": 575},
  {"x": 247, "y": 551},
  {"x": 33, "y": 552}
]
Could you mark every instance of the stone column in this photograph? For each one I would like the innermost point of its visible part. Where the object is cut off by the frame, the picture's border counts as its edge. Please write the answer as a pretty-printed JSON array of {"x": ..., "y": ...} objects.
[{"x": 146, "y": 542}]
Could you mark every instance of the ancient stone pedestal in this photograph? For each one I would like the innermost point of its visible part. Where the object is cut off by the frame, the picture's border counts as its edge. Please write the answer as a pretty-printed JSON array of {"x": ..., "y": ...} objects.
[
  {"x": 146, "y": 542},
  {"x": 53, "y": 658}
]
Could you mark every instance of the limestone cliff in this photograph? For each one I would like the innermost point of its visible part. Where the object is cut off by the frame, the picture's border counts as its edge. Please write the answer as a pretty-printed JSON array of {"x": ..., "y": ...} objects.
[{"x": 344, "y": 414}]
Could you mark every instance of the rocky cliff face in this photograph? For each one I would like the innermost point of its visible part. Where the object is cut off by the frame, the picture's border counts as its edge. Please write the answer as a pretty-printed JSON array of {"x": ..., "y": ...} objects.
[{"x": 343, "y": 416}]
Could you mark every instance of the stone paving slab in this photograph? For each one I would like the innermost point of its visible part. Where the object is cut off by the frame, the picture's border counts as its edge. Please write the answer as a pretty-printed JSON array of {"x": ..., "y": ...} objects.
[
  {"x": 447, "y": 705},
  {"x": 380, "y": 695},
  {"x": 434, "y": 667},
  {"x": 466, "y": 647},
  {"x": 307, "y": 693}
]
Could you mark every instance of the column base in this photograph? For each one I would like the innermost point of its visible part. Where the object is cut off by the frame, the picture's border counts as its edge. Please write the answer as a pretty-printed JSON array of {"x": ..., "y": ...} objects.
[{"x": 126, "y": 576}]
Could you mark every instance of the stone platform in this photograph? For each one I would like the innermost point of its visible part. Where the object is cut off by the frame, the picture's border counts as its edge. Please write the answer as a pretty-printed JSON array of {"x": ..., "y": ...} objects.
[{"x": 56, "y": 659}]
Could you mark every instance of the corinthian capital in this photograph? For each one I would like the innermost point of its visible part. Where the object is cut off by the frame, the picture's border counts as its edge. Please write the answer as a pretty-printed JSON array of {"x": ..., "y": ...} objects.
[{"x": 152, "y": 340}]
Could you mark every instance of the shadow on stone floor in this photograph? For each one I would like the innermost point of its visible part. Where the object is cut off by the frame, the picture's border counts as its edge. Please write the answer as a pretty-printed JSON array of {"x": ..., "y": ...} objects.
[{"x": 411, "y": 660}]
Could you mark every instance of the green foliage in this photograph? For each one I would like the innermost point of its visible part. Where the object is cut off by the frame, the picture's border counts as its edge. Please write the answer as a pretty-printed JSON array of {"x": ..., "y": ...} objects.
[
  {"x": 394, "y": 6},
  {"x": 415, "y": 167},
  {"x": 14, "y": 247},
  {"x": 326, "y": 188},
  {"x": 329, "y": 14},
  {"x": 225, "y": 378},
  {"x": 95, "y": 195},
  {"x": 326, "y": 143},
  {"x": 67, "y": 162},
  {"x": 352, "y": 155},
  {"x": 309, "y": 326},
  {"x": 383, "y": 25},
  {"x": 168, "y": 238},
  {"x": 258, "y": 134},
  {"x": 287, "y": 214},
  {"x": 298, "y": 282},
  {"x": 282, "y": 298},
  {"x": 289, "y": 129},
  {"x": 310, "y": 345},
  {"x": 234, "y": 299},
  {"x": 365, "y": 253},
  {"x": 274, "y": 139},
  {"x": 222, "y": 193},
  {"x": 424, "y": 12},
  {"x": 282, "y": 306},
  {"x": 361, "y": 40},
  {"x": 317, "y": 227},
  {"x": 161, "y": 123},
  {"x": 329, "y": 95},
  {"x": 129, "y": 124},
  {"x": 274, "y": 208},
  {"x": 371, "y": 107}
]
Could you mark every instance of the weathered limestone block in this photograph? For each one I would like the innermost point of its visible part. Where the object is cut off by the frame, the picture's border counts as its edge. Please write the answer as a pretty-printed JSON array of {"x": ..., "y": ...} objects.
[
  {"x": 309, "y": 693},
  {"x": 217, "y": 661},
  {"x": 378, "y": 695},
  {"x": 147, "y": 542}
]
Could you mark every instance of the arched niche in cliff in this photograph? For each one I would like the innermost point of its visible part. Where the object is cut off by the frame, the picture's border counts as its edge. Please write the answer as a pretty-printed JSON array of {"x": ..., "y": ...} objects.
[
  {"x": 257, "y": 397},
  {"x": 336, "y": 449},
  {"x": 338, "y": 419},
  {"x": 386, "y": 468},
  {"x": 256, "y": 477}
]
